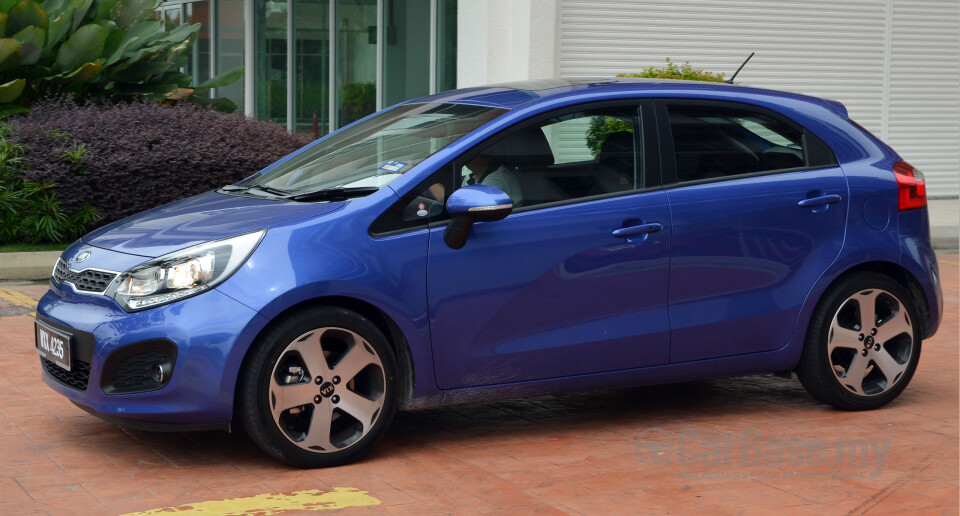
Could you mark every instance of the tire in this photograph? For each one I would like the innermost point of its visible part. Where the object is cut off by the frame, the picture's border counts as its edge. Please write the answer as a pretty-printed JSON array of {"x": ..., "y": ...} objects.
[
  {"x": 318, "y": 388},
  {"x": 854, "y": 362}
]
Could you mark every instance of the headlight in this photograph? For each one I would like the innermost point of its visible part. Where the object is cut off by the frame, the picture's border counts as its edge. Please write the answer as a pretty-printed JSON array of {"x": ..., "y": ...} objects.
[{"x": 182, "y": 273}]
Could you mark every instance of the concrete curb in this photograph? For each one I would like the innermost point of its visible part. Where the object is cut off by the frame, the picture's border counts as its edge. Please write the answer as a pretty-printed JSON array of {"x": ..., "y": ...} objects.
[
  {"x": 945, "y": 238},
  {"x": 29, "y": 266}
]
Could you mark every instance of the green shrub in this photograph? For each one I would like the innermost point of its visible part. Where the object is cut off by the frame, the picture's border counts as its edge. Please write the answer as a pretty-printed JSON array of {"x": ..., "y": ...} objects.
[
  {"x": 683, "y": 72},
  {"x": 357, "y": 100},
  {"x": 29, "y": 211},
  {"x": 128, "y": 157},
  {"x": 601, "y": 127}
]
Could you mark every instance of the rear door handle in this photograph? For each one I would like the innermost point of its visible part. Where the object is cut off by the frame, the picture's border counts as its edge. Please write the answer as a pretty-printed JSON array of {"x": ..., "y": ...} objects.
[
  {"x": 817, "y": 201},
  {"x": 637, "y": 230}
]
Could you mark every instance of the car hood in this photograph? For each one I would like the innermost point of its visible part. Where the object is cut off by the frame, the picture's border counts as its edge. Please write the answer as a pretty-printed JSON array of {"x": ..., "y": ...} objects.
[{"x": 199, "y": 219}]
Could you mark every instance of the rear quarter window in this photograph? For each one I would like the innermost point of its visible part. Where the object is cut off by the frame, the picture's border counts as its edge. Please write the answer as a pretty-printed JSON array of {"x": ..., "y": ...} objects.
[{"x": 716, "y": 140}]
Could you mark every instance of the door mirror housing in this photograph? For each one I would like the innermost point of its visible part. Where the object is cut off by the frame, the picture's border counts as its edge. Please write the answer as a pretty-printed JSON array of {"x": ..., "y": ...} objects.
[{"x": 474, "y": 203}]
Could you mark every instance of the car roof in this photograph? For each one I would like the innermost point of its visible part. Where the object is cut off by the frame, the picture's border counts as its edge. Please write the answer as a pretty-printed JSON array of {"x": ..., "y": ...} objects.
[{"x": 511, "y": 95}]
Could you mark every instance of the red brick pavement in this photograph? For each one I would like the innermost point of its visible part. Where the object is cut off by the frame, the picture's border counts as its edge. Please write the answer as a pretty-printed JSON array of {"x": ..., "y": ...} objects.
[{"x": 608, "y": 452}]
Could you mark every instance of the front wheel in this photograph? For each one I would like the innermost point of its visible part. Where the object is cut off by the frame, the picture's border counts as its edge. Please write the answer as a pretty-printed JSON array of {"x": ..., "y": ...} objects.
[
  {"x": 319, "y": 388},
  {"x": 863, "y": 344}
]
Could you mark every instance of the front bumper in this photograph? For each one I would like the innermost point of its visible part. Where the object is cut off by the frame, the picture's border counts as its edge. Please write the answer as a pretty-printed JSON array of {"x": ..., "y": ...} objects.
[{"x": 210, "y": 333}]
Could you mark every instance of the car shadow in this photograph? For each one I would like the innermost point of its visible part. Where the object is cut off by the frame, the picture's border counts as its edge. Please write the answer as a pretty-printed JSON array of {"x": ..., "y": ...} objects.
[{"x": 604, "y": 414}]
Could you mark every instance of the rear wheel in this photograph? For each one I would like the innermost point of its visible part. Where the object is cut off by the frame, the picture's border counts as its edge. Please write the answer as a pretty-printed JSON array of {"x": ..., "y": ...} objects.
[
  {"x": 863, "y": 344},
  {"x": 319, "y": 388}
]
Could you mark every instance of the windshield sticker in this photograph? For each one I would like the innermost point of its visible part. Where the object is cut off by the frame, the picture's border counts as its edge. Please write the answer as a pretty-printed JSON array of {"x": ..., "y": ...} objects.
[
  {"x": 422, "y": 210},
  {"x": 393, "y": 166}
]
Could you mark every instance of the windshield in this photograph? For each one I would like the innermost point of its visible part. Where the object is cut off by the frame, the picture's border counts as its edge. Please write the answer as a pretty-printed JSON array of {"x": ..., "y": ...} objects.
[{"x": 378, "y": 150}]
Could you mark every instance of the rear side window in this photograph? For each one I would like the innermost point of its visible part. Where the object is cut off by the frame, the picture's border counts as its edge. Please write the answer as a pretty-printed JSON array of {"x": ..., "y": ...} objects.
[{"x": 712, "y": 141}]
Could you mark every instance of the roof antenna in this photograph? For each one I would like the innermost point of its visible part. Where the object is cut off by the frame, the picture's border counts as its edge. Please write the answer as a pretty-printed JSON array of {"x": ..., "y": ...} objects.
[{"x": 734, "y": 76}]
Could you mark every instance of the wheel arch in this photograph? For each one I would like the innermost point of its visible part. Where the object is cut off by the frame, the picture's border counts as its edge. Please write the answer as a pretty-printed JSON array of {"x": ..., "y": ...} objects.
[
  {"x": 816, "y": 367},
  {"x": 899, "y": 274},
  {"x": 379, "y": 318}
]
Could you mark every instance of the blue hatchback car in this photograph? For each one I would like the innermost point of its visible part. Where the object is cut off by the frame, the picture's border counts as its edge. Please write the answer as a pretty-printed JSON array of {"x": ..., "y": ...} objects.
[{"x": 506, "y": 241}]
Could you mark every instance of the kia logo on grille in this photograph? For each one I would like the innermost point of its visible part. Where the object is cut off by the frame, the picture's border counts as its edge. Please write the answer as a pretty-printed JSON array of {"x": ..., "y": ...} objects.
[{"x": 82, "y": 257}]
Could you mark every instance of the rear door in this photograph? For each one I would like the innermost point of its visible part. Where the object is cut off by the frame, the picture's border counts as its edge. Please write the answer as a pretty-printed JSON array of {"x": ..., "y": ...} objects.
[{"x": 758, "y": 210}]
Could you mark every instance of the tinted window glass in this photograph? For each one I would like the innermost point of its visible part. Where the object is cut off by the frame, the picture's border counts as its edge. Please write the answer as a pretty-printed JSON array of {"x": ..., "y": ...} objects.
[
  {"x": 711, "y": 142},
  {"x": 425, "y": 204},
  {"x": 564, "y": 158}
]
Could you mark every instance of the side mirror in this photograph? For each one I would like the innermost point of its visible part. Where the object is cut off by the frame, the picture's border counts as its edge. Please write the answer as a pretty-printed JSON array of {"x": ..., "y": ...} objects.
[{"x": 473, "y": 203}]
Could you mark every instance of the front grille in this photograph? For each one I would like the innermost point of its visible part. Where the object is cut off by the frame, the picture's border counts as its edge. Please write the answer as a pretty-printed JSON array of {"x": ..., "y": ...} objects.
[
  {"x": 76, "y": 379},
  {"x": 87, "y": 280},
  {"x": 135, "y": 373}
]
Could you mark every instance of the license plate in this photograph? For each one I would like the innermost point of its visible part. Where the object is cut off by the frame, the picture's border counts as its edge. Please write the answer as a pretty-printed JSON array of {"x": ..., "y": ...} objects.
[{"x": 53, "y": 345}]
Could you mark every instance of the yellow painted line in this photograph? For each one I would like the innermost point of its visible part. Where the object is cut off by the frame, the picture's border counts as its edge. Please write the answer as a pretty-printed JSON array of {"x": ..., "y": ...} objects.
[
  {"x": 16, "y": 298},
  {"x": 949, "y": 262},
  {"x": 266, "y": 504}
]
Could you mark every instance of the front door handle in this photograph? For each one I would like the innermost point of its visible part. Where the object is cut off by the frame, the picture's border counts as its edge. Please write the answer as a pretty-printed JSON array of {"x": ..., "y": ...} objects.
[
  {"x": 637, "y": 230},
  {"x": 817, "y": 201}
]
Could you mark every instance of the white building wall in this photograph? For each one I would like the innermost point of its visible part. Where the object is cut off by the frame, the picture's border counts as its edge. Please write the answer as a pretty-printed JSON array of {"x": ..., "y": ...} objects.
[
  {"x": 922, "y": 108},
  {"x": 506, "y": 40},
  {"x": 895, "y": 64}
]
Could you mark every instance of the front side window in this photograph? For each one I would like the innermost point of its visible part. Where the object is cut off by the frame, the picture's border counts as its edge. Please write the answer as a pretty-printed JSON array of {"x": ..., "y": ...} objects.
[
  {"x": 564, "y": 158},
  {"x": 377, "y": 151},
  {"x": 714, "y": 142}
]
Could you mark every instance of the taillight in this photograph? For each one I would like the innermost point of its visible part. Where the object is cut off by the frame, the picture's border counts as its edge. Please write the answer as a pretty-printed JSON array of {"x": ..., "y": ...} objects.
[{"x": 910, "y": 186}]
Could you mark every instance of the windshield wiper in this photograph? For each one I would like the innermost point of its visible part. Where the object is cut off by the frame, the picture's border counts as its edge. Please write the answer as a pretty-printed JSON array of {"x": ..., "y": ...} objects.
[
  {"x": 268, "y": 189},
  {"x": 327, "y": 194},
  {"x": 232, "y": 188},
  {"x": 271, "y": 190},
  {"x": 334, "y": 194}
]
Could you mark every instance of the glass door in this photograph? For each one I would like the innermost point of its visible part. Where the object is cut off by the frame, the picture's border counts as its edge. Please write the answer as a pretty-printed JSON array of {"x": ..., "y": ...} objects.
[
  {"x": 271, "y": 52},
  {"x": 230, "y": 47},
  {"x": 199, "y": 64},
  {"x": 406, "y": 50},
  {"x": 172, "y": 16},
  {"x": 356, "y": 49},
  {"x": 311, "y": 19},
  {"x": 175, "y": 14},
  {"x": 319, "y": 65}
]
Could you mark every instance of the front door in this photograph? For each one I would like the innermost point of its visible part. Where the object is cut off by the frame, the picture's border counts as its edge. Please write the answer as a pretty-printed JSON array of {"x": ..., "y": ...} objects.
[{"x": 551, "y": 291}]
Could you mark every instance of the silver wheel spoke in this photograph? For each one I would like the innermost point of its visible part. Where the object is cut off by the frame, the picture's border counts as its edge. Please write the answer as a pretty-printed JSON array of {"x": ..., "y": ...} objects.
[
  {"x": 868, "y": 309},
  {"x": 359, "y": 407},
  {"x": 897, "y": 325},
  {"x": 856, "y": 372},
  {"x": 312, "y": 354},
  {"x": 289, "y": 396},
  {"x": 319, "y": 432},
  {"x": 354, "y": 361},
  {"x": 888, "y": 365},
  {"x": 841, "y": 337}
]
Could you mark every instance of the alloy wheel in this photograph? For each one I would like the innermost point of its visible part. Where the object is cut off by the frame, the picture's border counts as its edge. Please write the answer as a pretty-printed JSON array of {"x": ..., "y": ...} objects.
[
  {"x": 870, "y": 342},
  {"x": 327, "y": 390}
]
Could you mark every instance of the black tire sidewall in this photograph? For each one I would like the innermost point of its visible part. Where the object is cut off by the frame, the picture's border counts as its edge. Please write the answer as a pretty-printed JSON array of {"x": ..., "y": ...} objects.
[
  {"x": 815, "y": 371},
  {"x": 254, "y": 411}
]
